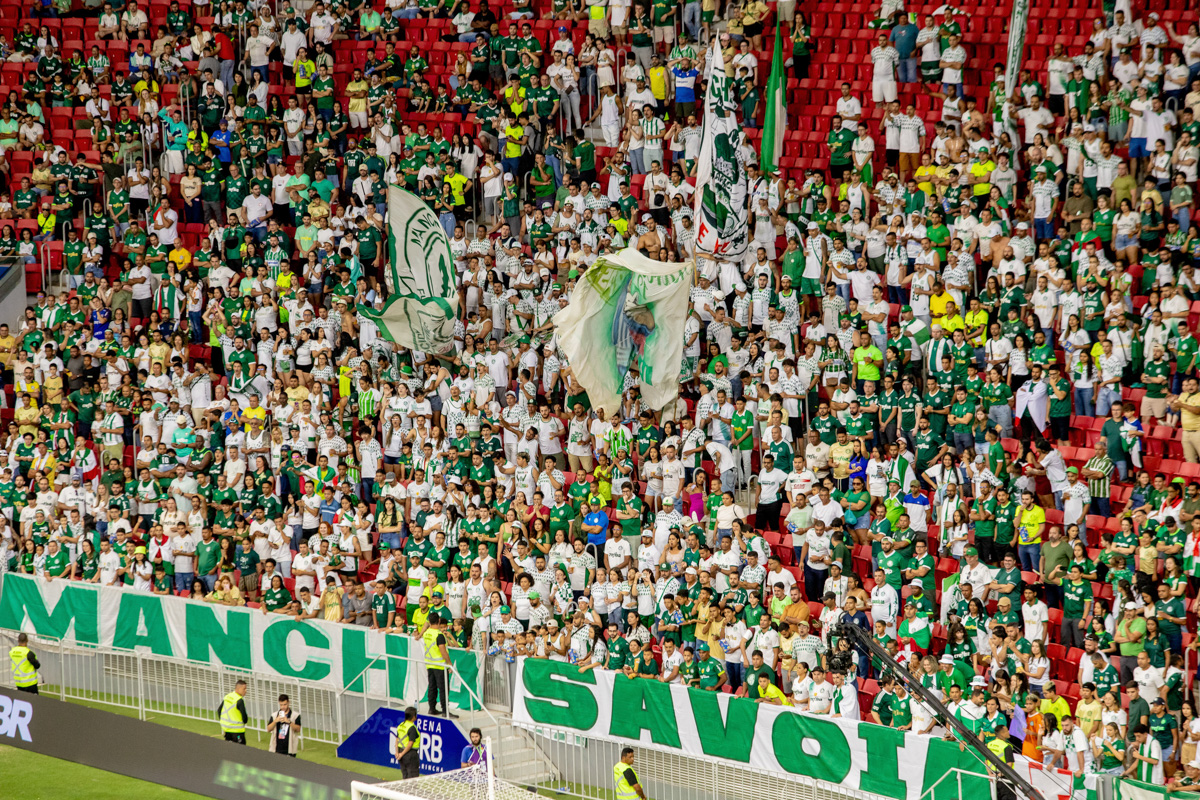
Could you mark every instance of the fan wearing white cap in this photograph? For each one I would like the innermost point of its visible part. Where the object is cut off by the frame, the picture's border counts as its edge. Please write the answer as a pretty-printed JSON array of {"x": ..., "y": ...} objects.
[
  {"x": 950, "y": 674},
  {"x": 1191, "y": 775},
  {"x": 650, "y": 242}
]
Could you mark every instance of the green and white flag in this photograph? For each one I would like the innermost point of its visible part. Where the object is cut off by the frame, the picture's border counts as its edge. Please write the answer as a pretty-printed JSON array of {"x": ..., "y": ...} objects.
[
  {"x": 1017, "y": 23},
  {"x": 775, "y": 124},
  {"x": 1127, "y": 789},
  {"x": 722, "y": 230},
  {"x": 422, "y": 287},
  {"x": 626, "y": 308}
]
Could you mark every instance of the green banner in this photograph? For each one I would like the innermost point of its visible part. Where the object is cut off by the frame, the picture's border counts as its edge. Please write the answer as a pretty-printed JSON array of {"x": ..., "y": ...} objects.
[
  {"x": 858, "y": 755},
  {"x": 315, "y": 651},
  {"x": 1127, "y": 789},
  {"x": 775, "y": 120},
  {"x": 422, "y": 287},
  {"x": 1018, "y": 21}
]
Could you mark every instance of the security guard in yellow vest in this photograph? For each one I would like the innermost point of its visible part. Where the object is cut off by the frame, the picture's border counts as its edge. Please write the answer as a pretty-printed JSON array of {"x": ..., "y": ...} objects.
[
  {"x": 408, "y": 744},
  {"x": 437, "y": 659},
  {"x": 46, "y": 220},
  {"x": 233, "y": 714},
  {"x": 24, "y": 666},
  {"x": 1002, "y": 748},
  {"x": 628, "y": 786}
]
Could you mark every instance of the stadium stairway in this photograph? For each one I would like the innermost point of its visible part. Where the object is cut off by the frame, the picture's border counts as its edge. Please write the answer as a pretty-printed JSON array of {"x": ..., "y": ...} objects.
[{"x": 519, "y": 758}]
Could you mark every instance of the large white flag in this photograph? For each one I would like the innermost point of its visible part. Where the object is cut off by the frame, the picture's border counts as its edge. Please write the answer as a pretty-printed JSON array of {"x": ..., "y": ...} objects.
[
  {"x": 626, "y": 306},
  {"x": 422, "y": 288},
  {"x": 721, "y": 220}
]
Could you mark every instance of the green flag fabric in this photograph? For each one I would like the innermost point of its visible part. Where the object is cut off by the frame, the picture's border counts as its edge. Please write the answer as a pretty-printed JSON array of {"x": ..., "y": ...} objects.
[
  {"x": 1017, "y": 23},
  {"x": 422, "y": 286},
  {"x": 775, "y": 125},
  {"x": 722, "y": 226},
  {"x": 627, "y": 310}
]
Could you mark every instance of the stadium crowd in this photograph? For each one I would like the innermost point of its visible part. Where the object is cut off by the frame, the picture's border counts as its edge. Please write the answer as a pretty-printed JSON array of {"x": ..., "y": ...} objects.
[{"x": 949, "y": 396}]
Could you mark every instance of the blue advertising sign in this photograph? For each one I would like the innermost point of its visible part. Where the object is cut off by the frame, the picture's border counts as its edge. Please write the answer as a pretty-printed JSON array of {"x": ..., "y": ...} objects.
[{"x": 442, "y": 741}]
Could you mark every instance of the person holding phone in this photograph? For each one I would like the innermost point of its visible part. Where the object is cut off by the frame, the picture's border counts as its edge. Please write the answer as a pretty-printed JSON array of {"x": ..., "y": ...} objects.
[{"x": 284, "y": 729}]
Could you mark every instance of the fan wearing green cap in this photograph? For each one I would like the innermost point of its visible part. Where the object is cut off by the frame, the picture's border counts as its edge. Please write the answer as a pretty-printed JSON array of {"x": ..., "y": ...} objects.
[
  {"x": 712, "y": 674},
  {"x": 509, "y": 624},
  {"x": 438, "y": 607}
]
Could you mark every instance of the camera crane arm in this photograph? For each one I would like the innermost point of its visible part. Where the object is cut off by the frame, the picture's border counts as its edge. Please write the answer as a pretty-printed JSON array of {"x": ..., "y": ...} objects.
[{"x": 861, "y": 640}]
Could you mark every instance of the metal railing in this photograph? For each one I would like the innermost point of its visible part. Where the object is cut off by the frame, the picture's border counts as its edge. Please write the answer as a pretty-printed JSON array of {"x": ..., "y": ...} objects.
[
  {"x": 498, "y": 683},
  {"x": 955, "y": 775},
  {"x": 593, "y": 95},
  {"x": 44, "y": 264},
  {"x": 156, "y": 685},
  {"x": 585, "y": 765}
]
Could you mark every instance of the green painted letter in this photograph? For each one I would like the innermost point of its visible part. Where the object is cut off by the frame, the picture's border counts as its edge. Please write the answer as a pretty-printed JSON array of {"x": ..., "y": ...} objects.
[
  {"x": 830, "y": 762},
  {"x": 882, "y": 775},
  {"x": 275, "y": 649},
  {"x": 731, "y": 737},
  {"x": 141, "y": 623},
  {"x": 229, "y": 642},
  {"x": 559, "y": 694},
  {"x": 640, "y": 704},
  {"x": 357, "y": 662}
]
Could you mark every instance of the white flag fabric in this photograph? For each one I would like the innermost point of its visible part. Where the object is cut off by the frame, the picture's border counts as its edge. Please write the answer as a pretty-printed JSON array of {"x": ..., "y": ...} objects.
[
  {"x": 722, "y": 225},
  {"x": 421, "y": 282},
  {"x": 626, "y": 308}
]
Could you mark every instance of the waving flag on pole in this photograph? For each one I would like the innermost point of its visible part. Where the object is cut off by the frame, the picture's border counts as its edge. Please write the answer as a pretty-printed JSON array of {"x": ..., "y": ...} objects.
[
  {"x": 421, "y": 283},
  {"x": 775, "y": 125},
  {"x": 627, "y": 310},
  {"x": 721, "y": 221}
]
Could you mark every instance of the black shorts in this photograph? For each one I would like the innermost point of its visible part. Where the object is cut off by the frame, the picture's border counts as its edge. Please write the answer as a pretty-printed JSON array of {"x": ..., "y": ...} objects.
[
  {"x": 753, "y": 29},
  {"x": 892, "y": 157},
  {"x": 1060, "y": 427}
]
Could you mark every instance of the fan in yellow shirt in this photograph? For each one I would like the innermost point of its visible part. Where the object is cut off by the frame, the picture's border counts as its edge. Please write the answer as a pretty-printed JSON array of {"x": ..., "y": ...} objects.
[
  {"x": 924, "y": 175},
  {"x": 770, "y": 693}
]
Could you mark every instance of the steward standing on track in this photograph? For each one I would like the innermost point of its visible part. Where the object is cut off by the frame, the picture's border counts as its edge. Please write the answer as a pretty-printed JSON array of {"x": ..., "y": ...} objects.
[
  {"x": 628, "y": 786},
  {"x": 24, "y": 666},
  {"x": 233, "y": 714},
  {"x": 408, "y": 744}
]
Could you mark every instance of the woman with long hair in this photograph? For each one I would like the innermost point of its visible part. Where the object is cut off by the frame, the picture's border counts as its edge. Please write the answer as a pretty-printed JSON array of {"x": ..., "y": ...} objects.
[
  {"x": 1126, "y": 230},
  {"x": 960, "y": 646},
  {"x": 1112, "y": 713},
  {"x": 1189, "y": 731},
  {"x": 1038, "y": 667},
  {"x": 802, "y": 44},
  {"x": 1108, "y": 749},
  {"x": 976, "y": 624},
  {"x": 1053, "y": 747}
]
